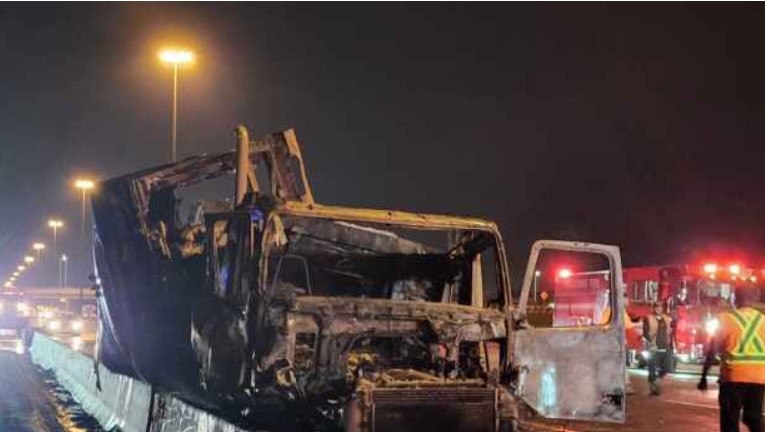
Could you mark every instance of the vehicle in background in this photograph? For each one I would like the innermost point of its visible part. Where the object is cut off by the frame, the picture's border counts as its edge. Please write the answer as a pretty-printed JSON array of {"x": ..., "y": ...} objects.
[
  {"x": 15, "y": 312},
  {"x": 62, "y": 323},
  {"x": 692, "y": 296}
]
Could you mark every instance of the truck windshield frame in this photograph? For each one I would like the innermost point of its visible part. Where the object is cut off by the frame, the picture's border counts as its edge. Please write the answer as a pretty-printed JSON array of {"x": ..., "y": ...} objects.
[{"x": 316, "y": 255}]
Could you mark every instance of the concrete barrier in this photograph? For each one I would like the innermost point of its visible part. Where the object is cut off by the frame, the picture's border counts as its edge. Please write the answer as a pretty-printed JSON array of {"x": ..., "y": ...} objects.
[
  {"x": 171, "y": 414},
  {"x": 122, "y": 403}
]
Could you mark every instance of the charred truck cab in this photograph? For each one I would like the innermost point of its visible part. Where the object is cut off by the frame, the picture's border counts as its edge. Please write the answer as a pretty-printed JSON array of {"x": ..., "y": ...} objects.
[
  {"x": 362, "y": 317},
  {"x": 285, "y": 315}
]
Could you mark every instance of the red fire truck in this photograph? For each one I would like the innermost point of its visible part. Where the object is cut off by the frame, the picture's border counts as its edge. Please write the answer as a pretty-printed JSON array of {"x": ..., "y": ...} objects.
[{"x": 691, "y": 294}]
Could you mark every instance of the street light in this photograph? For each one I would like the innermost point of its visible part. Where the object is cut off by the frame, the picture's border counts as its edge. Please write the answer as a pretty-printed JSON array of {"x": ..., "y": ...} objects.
[
  {"x": 84, "y": 185},
  {"x": 16, "y": 274},
  {"x": 175, "y": 58},
  {"x": 62, "y": 264},
  {"x": 29, "y": 259},
  {"x": 55, "y": 224},
  {"x": 38, "y": 247}
]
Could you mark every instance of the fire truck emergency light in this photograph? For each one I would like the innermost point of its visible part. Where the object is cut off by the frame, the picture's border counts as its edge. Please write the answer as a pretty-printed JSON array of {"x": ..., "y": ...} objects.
[
  {"x": 564, "y": 273},
  {"x": 711, "y": 326},
  {"x": 734, "y": 269},
  {"x": 710, "y": 268}
]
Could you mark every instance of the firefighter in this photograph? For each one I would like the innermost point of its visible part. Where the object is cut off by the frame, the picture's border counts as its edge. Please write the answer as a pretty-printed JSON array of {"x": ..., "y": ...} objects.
[
  {"x": 656, "y": 334},
  {"x": 740, "y": 341}
]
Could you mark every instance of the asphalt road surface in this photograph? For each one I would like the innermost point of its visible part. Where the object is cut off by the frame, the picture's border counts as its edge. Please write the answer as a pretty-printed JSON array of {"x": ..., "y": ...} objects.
[
  {"x": 32, "y": 401},
  {"x": 679, "y": 408}
]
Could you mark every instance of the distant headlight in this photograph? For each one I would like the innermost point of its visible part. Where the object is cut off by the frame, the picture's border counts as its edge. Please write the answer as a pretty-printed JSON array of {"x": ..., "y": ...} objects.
[
  {"x": 76, "y": 343},
  {"x": 711, "y": 326},
  {"x": 22, "y": 307},
  {"x": 46, "y": 314},
  {"x": 54, "y": 325},
  {"x": 76, "y": 325}
]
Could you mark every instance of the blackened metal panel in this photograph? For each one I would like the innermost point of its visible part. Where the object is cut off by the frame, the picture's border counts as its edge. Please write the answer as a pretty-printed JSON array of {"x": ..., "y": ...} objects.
[
  {"x": 145, "y": 299},
  {"x": 434, "y": 409}
]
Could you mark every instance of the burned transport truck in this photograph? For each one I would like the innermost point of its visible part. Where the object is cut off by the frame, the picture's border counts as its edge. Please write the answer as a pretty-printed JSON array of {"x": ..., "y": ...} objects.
[{"x": 285, "y": 315}]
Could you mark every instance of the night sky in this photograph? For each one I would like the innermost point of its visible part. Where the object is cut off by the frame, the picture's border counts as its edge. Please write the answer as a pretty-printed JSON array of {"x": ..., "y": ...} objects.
[{"x": 634, "y": 124}]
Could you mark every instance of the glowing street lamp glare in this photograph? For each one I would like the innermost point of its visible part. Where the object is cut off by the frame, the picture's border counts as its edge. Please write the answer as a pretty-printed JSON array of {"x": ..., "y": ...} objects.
[
  {"x": 84, "y": 184},
  {"x": 176, "y": 56},
  {"x": 29, "y": 259},
  {"x": 21, "y": 268},
  {"x": 55, "y": 223},
  {"x": 38, "y": 246}
]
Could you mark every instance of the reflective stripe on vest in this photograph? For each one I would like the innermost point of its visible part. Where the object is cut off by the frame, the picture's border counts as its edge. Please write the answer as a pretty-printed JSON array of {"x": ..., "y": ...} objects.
[{"x": 750, "y": 348}]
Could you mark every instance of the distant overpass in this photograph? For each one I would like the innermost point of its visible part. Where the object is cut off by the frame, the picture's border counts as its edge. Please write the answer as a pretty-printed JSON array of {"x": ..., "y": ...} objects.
[{"x": 54, "y": 292}]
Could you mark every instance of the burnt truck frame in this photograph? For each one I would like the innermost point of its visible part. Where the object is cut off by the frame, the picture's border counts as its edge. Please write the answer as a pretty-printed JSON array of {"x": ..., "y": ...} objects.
[{"x": 285, "y": 315}]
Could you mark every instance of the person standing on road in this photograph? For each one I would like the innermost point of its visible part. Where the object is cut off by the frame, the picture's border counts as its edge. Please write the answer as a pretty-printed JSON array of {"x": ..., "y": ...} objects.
[
  {"x": 740, "y": 341},
  {"x": 656, "y": 334}
]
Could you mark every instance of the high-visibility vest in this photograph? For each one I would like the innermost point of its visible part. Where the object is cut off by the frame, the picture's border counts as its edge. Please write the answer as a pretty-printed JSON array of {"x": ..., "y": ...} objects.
[{"x": 741, "y": 338}]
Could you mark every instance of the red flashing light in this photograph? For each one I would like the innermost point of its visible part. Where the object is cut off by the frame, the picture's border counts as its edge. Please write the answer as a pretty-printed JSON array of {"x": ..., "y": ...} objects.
[
  {"x": 710, "y": 268},
  {"x": 564, "y": 273},
  {"x": 734, "y": 269}
]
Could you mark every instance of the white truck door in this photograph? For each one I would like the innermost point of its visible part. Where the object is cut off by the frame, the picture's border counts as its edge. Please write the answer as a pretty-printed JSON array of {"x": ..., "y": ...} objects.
[{"x": 572, "y": 353}]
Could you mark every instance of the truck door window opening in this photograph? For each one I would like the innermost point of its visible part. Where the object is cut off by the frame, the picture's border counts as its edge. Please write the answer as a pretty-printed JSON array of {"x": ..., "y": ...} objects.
[{"x": 571, "y": 289}]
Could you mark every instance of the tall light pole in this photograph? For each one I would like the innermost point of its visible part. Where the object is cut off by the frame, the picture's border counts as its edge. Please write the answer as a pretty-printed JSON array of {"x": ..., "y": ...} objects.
[
  {"x": 38, "y": 248},
  {"x": 62, "y": 265},
  {"x": 55, "y": 224},
  {"x": 84, "y": 185},
  {"x": 175, "y": 58}
]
